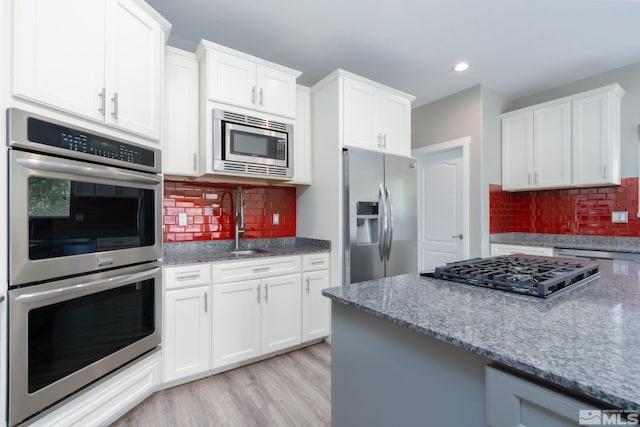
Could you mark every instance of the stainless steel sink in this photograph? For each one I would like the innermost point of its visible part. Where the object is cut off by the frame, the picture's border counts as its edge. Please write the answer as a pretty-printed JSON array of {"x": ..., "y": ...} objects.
[{"x": 247, "y": 251}]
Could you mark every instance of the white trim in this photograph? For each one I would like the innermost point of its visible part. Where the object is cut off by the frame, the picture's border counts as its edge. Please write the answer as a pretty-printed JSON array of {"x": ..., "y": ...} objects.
[{"x": 422, "y": 155}]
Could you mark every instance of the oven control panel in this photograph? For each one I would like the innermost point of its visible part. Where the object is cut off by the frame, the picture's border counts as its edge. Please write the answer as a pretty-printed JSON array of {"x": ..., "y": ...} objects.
[{"x": 58, "y": 136}]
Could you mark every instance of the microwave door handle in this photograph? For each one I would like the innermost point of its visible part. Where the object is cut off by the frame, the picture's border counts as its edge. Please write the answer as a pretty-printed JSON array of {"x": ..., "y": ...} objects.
[
  {"x": 86, "y": 288},
  {"x": 91, "y": 171}
]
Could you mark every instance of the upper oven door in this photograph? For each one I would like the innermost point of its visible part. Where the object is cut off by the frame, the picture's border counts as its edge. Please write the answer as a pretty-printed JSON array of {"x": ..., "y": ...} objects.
[
  {"x": 254, "y": 145},
  {"x": 68, "y": 217}
]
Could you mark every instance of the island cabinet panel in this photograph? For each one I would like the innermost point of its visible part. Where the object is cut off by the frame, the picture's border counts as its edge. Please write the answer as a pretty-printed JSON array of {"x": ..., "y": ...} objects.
[
  {"x": 383, "y": 374},
  {"x": 514, "y": 401}
]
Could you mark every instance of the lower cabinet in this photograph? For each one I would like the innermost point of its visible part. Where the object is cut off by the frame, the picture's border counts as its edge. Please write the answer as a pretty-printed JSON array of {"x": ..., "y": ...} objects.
[
  {"x": 186, "y": 332},
  {"x": 316, "y": 309},
  {"x": 223, "y": 313},
  {"x": 513, "y": 401}
]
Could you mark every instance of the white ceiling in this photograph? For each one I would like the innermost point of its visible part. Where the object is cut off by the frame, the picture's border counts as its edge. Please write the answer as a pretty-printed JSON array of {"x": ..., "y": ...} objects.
[{"x": 515, "y": 47}]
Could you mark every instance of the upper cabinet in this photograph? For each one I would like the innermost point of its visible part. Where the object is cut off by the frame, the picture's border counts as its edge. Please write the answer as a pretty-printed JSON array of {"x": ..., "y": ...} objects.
[
  {"x": 538, "y": 152},
  {"x": 375, "y": 117},
  {"x": 596, "y": 137},
  {"x": 573, "y": 141},
  {"x": 107, "y": 66},
  {"x": 180, "y": 126},
  {"x": 302, "y": 138},
  {"x": 242, "y": 80}
]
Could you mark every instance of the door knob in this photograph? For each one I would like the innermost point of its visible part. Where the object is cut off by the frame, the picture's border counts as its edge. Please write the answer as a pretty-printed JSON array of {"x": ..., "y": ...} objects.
[{"x": 456, "y": 236}]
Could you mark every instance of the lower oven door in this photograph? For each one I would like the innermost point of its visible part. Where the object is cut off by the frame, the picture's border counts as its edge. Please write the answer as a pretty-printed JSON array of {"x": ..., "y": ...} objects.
[{"x": 66, "y": 334}]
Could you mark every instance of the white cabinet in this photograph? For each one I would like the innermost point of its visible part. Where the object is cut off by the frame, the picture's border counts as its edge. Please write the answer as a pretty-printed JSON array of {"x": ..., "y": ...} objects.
[
  {"x": 502, "y": 249},
  {"x": 514, "y": 401},
  {"x": 596, "y": 137},
  {"x": 316, "y": 309},
  {"x": 375, "y": 118},
  {"x": 187, "y": 321},
  {"x": 235, "y": 78},
  {"x": 281, "y": 312},
  {"x": 181, "y": 100},
  {"x": 256, "y": 308},
  {"x": 536, "y": 148},
  {"x": 236, "y": 322},
  {"x": 302, "y": 138},
  {"x": 105, "y": 67},
  {"x": 569, "y": 142}
]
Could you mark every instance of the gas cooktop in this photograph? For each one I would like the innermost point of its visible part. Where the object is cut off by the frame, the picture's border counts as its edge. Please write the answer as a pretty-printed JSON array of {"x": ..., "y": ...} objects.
[{"x": 529, "y": 275}]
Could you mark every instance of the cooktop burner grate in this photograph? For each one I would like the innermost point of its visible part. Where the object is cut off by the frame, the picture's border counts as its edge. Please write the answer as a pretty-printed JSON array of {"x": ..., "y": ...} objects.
[{"x": 537, "y": 276}]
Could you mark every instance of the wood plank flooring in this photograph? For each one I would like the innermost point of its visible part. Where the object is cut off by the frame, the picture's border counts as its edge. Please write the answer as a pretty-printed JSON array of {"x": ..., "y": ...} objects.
[{"x": 292, "y": 389}]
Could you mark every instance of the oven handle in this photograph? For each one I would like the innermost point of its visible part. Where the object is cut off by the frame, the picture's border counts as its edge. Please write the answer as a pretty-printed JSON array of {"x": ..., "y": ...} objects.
[
  {"x": 86, "y": 288},
  {"x": 87, "y": 171}
]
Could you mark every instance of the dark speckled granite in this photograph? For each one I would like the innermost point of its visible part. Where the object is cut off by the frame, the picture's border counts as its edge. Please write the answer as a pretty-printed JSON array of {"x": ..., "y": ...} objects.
[
  {"x": 218, "y": 250},
  {"x": 601, "y": 243},
  {"x": 585, "y": 339}
]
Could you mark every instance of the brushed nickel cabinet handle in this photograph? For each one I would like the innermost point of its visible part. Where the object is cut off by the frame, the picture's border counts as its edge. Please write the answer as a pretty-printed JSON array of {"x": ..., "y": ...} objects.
[
  {"x": 261, "y": 269},
  {"x": 261, "y": 96},
  {"x": 258, "y": 289},
  {"x": 103, "y": 101},
  {"x": 115, "y": 105},
  {"x": 266, "y": 292},
  {"x": 205, "y": 302},
  {"x": 195, "y": 162},
  {"x": 253, "y": 95},
  {"x": 308, "y": 283}
]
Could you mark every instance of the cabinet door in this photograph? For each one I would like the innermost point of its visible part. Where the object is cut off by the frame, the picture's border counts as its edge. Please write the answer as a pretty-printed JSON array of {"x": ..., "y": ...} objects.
[
  {"x": 59, "y": 61},
  {"x": 513, "y": 401},
  {"x": 302, "y": 138},
  {"x": 552, "y": 146},
  {"x": 593, "y": 141},
  {"x": 517, "y": 151},
  {"x": 187, "y": 331},
  {"x": 276, "y": 91},
  {"x": 281, "y": 313},
  {"x": 180, "y": 130},
  {"x": 316, "y": 309},
  {"x": 135, "y": 52},
  {"x": 236, "y": 322},
  {"x": 394, "y": 120},
  {"x": 232, "y": 80},
  {"x": 360, "y": 116}
]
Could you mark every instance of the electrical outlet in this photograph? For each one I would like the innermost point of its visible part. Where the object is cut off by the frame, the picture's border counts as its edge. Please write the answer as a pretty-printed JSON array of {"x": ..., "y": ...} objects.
[
  {"x": 276, "y": 219},
  {"x": 620, "y": 217},
  {"x": 182, "y": 219}
]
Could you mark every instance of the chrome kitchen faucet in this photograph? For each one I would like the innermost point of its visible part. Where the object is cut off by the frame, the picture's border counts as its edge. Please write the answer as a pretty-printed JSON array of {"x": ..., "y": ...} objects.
[{"x": 239, "y": 217}]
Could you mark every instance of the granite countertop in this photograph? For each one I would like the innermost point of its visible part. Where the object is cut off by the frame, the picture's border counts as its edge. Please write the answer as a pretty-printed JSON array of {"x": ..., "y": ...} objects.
[
  {"x": 600, "y": 243},
  {"x": 585, "y": 339},
  {"x": 218, "y": 250}
]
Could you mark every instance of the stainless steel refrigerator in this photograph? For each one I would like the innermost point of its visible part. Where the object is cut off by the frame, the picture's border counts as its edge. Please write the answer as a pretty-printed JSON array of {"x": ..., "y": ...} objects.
[{"x": 380, "y": 217}]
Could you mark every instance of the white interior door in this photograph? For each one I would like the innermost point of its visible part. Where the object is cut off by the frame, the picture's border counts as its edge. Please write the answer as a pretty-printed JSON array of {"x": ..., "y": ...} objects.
[{"x": 441, "y": 211}]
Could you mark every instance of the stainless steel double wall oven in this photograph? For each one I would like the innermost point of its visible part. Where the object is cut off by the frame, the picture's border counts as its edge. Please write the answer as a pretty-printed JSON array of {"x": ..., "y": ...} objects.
[{"x": 85, "y": 236}]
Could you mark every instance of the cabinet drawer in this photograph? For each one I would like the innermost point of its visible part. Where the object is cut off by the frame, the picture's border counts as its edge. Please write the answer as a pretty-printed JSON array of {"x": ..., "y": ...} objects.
[
  {"x": 187, "y": 276},
  {"x": 313, "y": 262},
  {"x": 225, "y": 272}
]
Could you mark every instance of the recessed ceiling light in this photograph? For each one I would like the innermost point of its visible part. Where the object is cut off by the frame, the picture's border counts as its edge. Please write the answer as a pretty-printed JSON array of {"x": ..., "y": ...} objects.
[{"x": 461, "y": 66}]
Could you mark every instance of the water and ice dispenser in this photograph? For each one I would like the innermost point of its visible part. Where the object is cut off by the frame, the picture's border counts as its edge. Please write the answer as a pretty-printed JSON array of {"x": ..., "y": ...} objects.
[{"x": 367, "y": 226}]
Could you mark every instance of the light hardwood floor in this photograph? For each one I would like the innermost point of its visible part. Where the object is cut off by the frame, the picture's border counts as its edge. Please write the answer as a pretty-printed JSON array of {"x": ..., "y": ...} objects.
[{"x": 292, "y": 389}]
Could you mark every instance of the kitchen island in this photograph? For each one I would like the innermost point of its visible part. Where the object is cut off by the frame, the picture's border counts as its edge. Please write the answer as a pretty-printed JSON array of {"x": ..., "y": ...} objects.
[{"x": 409, "y": 350}]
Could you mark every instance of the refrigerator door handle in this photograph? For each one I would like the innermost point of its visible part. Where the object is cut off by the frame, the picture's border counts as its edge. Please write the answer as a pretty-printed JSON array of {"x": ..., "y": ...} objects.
[
  {"x": 382, "y": 221},
  {"x": 390, "y": 223}
]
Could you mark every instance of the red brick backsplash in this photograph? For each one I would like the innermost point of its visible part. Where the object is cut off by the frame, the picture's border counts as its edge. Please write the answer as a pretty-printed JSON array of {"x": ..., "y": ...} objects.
[
  {"x": 210, "y": 211},
  {"x": 579, "y": 211}
]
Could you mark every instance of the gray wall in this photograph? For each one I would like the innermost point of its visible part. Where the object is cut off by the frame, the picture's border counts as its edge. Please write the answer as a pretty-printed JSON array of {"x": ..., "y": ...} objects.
[
  {"x": 453, "y": 117},
  {"x": 629, "y": 78},
  {"x": 473, "y": 112}
]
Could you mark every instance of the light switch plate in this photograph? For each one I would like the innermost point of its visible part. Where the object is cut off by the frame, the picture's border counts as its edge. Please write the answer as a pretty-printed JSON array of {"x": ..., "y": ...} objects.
[{"x": 276, "y": 219}]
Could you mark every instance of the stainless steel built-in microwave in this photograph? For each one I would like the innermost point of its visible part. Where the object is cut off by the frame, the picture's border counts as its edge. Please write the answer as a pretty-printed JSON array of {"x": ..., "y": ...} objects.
[{"x": 252, "y": 146}]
